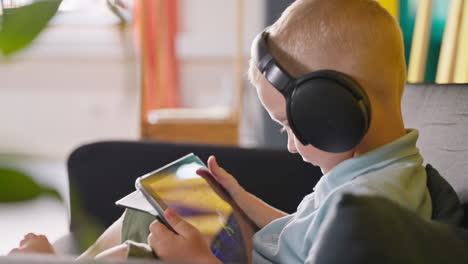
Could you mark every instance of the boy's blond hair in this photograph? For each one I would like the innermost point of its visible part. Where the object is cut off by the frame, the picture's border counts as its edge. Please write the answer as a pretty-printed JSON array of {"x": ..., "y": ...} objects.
[{"x": 357, "y": 37}]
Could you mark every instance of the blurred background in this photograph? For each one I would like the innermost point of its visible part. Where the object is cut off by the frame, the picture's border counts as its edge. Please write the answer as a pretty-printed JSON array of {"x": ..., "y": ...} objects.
[{"x": 167, "y": 70}]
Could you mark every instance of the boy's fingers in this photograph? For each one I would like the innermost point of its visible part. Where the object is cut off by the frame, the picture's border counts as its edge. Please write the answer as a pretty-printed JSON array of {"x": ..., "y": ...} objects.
[
  {"x": 26, "y": 238},
  {"x": 215, "y": 163},
  {"x": 204, "y": 173},
  {"x": 29, "y": 235},
  {"x": 13, "y": 251},
  {"x": 180, "y": 225},
  {"x": 209, "y": 178},
  {"x": 215, "y": 168},
  {"x": 43, "y": 238},
  {"x": 23, "y": 241},
  {"x": 211, "y": 163},
  {"x": 153, "y": 227},
  {"x": 152, "y": 240},
  {"x": 159, "y": 230}
]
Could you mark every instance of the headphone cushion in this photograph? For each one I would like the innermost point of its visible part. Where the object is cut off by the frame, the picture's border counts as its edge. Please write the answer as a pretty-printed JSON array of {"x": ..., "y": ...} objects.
[{"x": 323, "y": 113}]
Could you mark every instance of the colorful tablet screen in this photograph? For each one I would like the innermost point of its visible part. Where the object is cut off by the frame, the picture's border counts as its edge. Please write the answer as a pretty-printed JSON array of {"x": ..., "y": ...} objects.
[{"x": 179, "y": 187}]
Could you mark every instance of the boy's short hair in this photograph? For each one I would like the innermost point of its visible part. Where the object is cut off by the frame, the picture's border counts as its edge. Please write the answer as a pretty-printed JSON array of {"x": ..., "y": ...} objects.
[{"x": 357, "y": 37}]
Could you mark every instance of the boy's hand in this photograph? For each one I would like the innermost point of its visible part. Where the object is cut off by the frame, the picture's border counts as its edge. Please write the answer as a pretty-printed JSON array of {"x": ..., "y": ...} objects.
[
  {"x": 216, "y": 174},
  {"x": 186, "y": 246},
  {"x": 34, "y": 244}
]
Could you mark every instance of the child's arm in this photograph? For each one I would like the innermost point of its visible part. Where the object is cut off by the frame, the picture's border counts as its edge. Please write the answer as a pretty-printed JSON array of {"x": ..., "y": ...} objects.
[{"x": 258, "y": 211}]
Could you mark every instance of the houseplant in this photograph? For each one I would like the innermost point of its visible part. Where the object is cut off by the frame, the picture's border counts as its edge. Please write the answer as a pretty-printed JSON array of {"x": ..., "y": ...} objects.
[{"x": 19, "y": 26}]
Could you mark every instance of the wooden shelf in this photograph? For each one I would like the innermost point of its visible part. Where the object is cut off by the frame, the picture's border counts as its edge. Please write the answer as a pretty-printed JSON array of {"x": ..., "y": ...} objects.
[
  {"x": 218, "y": 133},
  {"x": 209, "y": 125}
]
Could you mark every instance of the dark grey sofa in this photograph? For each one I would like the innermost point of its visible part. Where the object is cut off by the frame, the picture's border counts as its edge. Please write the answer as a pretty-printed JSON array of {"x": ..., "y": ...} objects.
[{"x": 102, "y": 172}]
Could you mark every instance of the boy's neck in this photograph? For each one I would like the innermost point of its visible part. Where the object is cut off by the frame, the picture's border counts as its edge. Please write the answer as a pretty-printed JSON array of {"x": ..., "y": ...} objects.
[
  {"x": 374, "y": 139},
  {"x": 379, "y": 137}
]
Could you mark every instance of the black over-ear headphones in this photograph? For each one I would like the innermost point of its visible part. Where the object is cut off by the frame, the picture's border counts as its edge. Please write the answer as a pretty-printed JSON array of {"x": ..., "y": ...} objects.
[{"x": 325, "y": 108}]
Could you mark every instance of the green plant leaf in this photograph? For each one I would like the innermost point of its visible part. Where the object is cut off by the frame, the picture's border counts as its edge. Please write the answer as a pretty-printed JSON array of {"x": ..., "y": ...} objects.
[
  {"x": 16, "y": 186},
  {"x": 20, "y": 26}
]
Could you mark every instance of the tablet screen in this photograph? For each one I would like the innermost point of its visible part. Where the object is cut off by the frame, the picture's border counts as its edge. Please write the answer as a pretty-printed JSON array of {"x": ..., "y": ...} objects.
[{"x": 179, "y": 187}]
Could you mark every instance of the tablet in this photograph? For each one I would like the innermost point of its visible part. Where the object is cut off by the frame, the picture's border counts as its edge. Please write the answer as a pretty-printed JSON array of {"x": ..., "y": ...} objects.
[{"x": 177, "y": 185}]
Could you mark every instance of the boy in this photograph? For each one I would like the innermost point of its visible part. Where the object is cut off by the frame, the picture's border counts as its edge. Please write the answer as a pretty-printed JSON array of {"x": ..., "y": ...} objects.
[
  {"x": 357, "y": 38},
  {"x": 360, "y": 39}
]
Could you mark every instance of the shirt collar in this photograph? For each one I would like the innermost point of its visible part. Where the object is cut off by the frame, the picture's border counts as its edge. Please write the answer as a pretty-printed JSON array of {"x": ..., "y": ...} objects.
[{"x": 351, "y": 168}]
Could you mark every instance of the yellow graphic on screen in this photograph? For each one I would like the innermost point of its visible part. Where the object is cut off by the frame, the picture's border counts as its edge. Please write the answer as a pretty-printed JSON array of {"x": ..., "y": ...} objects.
[{"x": 192, "y": 197}]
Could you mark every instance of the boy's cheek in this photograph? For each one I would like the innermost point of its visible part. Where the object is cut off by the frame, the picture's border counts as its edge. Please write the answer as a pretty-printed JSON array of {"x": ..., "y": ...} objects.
[{"x": 311, "y": 154}]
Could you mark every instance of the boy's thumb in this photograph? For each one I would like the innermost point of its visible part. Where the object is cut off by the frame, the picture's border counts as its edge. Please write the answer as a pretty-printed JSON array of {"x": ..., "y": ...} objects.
[
  {"x": 216, "y": 168},
  {"x": 175, "y": 220}
]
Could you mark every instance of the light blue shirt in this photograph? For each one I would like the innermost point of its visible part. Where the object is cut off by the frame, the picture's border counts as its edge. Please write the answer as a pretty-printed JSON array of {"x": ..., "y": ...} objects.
[{"x": 393, "y": 171}]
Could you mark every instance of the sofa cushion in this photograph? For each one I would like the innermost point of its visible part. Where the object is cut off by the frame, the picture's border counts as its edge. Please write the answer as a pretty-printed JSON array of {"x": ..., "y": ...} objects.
[
  {"x": 367, "y": 229},
  {"x": 446, "y": 206}
]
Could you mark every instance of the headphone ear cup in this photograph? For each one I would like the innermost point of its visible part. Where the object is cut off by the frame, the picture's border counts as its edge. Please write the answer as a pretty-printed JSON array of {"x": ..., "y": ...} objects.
[{"x": 323, "y": 113}]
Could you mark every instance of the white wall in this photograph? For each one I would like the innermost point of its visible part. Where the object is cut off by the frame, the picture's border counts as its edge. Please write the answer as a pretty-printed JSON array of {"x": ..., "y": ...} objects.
[
  {"x": 207, "y": 44},
  {"x": 77, "y": 83},
  {"x": 206, "y": 47},
  {"x": 68, "y": 89}
]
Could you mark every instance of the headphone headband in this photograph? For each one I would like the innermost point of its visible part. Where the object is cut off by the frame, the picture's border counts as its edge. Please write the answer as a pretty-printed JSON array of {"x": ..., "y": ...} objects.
[{"x": 267, "y": 65}]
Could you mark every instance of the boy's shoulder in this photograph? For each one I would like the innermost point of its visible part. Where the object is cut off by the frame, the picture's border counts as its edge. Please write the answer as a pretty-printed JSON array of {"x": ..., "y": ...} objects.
[{"x": 401, "y": 182}]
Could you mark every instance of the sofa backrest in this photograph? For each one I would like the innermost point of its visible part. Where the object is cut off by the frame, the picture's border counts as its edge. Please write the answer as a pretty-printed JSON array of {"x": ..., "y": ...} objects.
[
  {"x": 440, "y": 113},
  {"x": 103, "y": 172}
]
